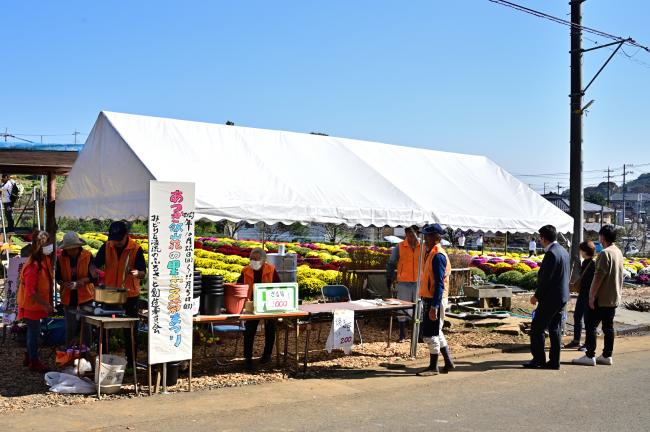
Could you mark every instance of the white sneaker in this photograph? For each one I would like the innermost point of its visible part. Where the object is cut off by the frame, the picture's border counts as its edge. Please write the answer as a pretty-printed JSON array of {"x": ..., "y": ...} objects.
[
  {"x": 585, "y": 361},
  {"x": 607, "y": 361}
]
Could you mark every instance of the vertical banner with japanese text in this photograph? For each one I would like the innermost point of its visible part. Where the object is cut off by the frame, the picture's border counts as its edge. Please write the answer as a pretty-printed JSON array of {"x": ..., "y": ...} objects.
[{"x": 171, "y": 271}]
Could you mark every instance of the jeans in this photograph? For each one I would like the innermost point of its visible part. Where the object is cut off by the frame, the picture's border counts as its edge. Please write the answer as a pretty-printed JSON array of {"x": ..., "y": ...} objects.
[
  {"x": 249, "y": 338},
  {"x": 604, "y": 315},
  {"x": 432, "y": 330},
  {"x": 582, "y": 304},
  {"x": 33, "y": 333},
  {"x": 9, "y": 216},
  {"x": 546, "y": 316}
]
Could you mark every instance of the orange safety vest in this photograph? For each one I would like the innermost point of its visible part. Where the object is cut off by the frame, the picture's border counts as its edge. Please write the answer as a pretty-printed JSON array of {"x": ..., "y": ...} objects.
[
  {"x": 85, "y": 292},
  {"x": 427, "y": 283},
  {"x": 43, "y": 287},
  {"x": 407, "y": 266},
  {"x": 115, "y": 268},
  {"x": 249, "y": 277}
]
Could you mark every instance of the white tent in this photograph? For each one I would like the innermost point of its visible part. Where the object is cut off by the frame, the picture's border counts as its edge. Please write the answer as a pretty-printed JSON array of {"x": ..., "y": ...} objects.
[{"x": 274, "y": 176}]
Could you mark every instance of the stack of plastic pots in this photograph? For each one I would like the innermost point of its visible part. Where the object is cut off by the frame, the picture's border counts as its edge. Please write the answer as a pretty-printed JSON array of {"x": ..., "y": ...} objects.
[
  {"x": 212, "y": 292},
  {"x": 197, "y": 291}
]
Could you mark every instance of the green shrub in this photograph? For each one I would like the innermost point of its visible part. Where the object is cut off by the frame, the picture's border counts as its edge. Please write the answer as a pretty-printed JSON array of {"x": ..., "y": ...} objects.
[
  {"x": 512, "y": 277},
  {"x": 529, "y": 281},
  {"x": 309, "y": 288},
  {"x": 478, "y": 272}
]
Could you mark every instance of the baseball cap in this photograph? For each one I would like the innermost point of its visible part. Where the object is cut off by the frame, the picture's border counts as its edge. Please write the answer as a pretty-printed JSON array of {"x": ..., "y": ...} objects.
[{"x": 433, "y": 229}]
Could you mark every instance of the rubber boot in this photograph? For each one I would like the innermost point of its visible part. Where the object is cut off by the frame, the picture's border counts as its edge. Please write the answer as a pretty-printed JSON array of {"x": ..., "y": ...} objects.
[
  {"x": 449, "y": 363},
  {"x": 402, "y": 331},
  {"x": 433, "y": 367}
]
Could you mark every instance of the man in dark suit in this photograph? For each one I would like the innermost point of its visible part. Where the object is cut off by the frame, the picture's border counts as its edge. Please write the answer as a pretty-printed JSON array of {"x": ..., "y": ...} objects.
[{"x": 550, "y": 297}]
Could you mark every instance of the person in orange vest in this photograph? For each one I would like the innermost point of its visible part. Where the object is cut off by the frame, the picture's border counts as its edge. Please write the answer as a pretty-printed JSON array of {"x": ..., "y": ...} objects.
[
  {"x": 74, "y": 274},
  {"x": 122, "y": 260},
  {"x": 403, "y": 267},
  {"x": 434, "y": 289},
  {"x": 34, "y": 295},
  {"x": 258, "y": 271}
]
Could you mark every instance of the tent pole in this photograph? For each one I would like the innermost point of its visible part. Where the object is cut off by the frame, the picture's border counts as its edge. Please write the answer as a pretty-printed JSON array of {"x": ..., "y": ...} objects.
[
  {"x": 418, "y": 304},
  {"x": 4, "y": 231}
]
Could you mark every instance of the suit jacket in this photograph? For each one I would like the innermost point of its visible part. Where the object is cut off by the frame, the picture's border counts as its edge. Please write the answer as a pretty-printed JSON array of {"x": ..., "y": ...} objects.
[{"x": 553, "y": 276}]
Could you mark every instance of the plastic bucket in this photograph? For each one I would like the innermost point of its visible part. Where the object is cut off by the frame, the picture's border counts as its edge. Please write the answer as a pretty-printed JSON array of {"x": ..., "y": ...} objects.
[
  {"x": 111, "y": 373},
  {"x": 172, "y": 373}
]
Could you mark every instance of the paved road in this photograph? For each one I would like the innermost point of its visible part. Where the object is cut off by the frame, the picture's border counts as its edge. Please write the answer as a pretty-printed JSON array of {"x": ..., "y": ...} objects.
[{"x": 486, "y": 394}]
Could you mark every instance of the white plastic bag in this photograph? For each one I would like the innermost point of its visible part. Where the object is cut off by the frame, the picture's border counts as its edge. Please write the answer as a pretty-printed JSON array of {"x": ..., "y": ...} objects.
[
  {"x": 111, "y": 373},
  {"x": 66, "y": 383},
  {"x": 85, "y": 367}
]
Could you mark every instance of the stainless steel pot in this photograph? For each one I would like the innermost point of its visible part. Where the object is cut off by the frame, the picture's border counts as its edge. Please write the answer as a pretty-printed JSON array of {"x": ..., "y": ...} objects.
[{"x": 110, "y": 295}]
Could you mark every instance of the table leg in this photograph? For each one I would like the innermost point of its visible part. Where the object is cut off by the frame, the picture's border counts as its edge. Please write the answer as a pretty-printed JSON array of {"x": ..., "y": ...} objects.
[
  {"x": 277, "y": 343},
  {"x": 286, "y": 342},
  {"x": 190, "y": 377},
  {"x": 304, "y": 368},
  {"x": 135, "y": 354},
  {"x": 390, "y": 330},
  {"x": 99, "y": 359},
  {"x": 149, "y": 373},
  {"x": 81, "y": 337},
  {"x": 297, "y": 346}
]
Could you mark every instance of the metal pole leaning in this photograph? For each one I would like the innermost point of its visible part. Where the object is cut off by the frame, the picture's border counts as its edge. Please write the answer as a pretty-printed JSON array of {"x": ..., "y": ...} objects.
[{"x": 417, "y": 314}]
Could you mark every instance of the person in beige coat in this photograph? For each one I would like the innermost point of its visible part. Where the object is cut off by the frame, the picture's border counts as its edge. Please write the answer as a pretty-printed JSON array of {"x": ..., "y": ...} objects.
[{"x": 604, "y": 297}]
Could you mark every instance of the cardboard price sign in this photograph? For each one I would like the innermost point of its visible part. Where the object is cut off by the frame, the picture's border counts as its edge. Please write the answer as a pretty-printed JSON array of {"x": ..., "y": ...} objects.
[
  {"x": 342, "y": 332},
  {"x": 275, "y": 297}
]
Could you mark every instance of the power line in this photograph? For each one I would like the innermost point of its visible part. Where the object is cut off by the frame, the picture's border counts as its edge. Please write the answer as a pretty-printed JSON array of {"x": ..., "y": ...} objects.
[{"x": 628, "y": 41}]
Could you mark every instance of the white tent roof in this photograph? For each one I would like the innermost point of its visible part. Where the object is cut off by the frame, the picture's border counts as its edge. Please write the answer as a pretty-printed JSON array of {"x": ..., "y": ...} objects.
[{"x": 273, "y": 176}]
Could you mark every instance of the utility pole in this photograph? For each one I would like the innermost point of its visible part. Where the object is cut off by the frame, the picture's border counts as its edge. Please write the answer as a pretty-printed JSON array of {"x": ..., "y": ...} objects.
[
  {"x": 558, "y": 188},
  {"x": 575, "y": 183},
  {"x": 544, "y": 188},
  {"x": 608, "y": 174},
  {"x": 75, "y": 133},
  {"x": 625, "y": 172}
]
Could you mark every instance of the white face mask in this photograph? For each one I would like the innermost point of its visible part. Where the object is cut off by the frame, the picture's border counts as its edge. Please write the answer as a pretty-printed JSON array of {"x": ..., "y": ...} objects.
[
  {"x": 256, "y": 265},
  {"x": 48, "y": 249}
]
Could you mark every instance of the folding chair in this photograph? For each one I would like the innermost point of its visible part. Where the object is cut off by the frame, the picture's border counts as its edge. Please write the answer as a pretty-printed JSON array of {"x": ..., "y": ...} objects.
[
  {"x": 235, "y": 331},
  {"x": 338, "y": 293}
]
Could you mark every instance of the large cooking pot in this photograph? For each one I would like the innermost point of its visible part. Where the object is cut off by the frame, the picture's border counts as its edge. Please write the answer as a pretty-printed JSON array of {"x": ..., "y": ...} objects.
[{"x": 110, "y": 295}]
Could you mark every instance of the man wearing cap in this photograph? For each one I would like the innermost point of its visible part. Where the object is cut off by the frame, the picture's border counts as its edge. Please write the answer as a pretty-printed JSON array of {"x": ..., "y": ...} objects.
[
  {"x": 74, "y": 274},
  {"x": 434, "y": 288},
  {"x": 403, "y": 263},
  {"x": 124, "y": 266}
]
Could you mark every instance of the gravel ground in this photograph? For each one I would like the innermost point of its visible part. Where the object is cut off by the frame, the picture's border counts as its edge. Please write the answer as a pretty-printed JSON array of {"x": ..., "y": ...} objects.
[{"x": 21, "y": 389}]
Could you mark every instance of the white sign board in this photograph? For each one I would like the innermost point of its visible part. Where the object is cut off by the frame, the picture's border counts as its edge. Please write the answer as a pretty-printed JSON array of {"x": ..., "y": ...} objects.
[
  {"x": 171, "y": 271},
  {"x": 275, "y": 297},
  {"x": 342, "y": 332},
  {"x": 13, "y": 280}
]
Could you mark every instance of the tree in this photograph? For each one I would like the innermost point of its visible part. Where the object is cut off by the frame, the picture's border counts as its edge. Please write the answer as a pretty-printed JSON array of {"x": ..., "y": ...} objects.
[
  {"x": 231, "y": 228},
  {"x": 230, "y": 123},
  {"x": 596, "y": 198}
]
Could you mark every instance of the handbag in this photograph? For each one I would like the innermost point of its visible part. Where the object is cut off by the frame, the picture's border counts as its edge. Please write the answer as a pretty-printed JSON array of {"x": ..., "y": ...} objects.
[{"x": 575, "y": 280}]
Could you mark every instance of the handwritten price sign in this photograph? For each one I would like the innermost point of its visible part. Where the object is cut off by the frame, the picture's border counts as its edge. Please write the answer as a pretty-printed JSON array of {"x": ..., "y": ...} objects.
[
  {"x": 275, "y": 297},
  {"x": 342, "y": 331}
]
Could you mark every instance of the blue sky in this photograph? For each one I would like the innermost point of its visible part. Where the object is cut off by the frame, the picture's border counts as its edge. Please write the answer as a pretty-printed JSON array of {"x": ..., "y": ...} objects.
[{"x": 464, "y": 76}]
